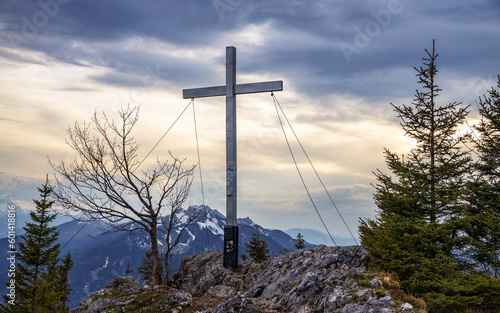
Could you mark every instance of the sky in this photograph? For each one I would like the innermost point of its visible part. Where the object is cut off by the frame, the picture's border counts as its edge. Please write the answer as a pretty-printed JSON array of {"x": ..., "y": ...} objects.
[{"x": 342, "y": 64}]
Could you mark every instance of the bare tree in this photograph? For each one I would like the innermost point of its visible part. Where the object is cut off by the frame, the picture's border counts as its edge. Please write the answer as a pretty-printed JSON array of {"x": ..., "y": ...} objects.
[{"x": 101, "y": 182}]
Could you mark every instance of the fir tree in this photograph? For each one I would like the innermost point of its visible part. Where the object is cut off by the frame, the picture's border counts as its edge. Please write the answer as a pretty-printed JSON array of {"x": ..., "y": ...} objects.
[
  {"x": 299, "y": 242},
  {"x": 41, "y": 284},
  {"x": 420, "y": 205},
  {"x": 483, "y": 218},
  {"x": 146, "y": 269},
  {"x": 257, "y": 248},
  {"x": 63, "y": 285},
  {"x": 128, "y": 270},
  {"x": 283, "y": 251}
]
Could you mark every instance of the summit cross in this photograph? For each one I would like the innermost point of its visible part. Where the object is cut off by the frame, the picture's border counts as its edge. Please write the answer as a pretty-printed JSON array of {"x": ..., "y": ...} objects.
[{"x": 230, "y": 90}]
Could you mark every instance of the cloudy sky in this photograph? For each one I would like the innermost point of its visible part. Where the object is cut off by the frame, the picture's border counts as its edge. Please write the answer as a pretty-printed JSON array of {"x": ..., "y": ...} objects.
[{"x": 342, "y": 64}]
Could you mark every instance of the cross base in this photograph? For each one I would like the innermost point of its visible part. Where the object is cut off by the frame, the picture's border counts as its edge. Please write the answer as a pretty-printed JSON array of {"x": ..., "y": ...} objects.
[{"x": 231, "y": 234}]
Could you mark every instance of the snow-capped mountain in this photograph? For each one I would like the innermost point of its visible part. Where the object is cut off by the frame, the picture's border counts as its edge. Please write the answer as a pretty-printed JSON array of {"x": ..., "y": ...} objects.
[{"x": 99, "y": 257}]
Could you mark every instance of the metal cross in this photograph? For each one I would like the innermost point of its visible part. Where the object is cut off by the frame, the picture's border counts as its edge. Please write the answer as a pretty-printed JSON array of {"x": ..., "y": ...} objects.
[{"x": 230, "y": 90}]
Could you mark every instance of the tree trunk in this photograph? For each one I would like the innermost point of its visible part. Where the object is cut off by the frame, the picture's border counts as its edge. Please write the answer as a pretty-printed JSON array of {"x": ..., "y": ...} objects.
[
  {"x": 432, "y": 151},
  {"x": 157, "y": 264},
  {"x": 434, "y": 90}
]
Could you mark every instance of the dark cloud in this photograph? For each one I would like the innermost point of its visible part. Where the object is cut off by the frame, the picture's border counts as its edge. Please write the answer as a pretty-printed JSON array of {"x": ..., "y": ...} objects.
[
  {"x": 309, "y": 48},
  {"x": 110, "y": 20},
  {"x": 118, "y": 79}
]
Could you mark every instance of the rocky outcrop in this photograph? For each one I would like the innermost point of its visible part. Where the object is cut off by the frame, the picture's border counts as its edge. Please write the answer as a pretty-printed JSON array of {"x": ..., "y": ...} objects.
[
  {"x": 204, "y": 273},
  {"x": 324, "y": 279},
  {"x": 123, "y": 294}
]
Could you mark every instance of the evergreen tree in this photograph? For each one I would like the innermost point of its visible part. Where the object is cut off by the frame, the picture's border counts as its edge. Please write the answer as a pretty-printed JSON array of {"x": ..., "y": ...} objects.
[
  {"x": 41, "y": 284},
  {"x": 63, "y": 285},
  {"x": 146, "y": 269},
  {"x": 257, "y": 248},
  {"x": 283, "y": 251},
  {"x": 299, "y": 242},
  {"x": 420, "y": 205},
  {"x": 483, "y": 218},
  {"x": 128, "y": 270}
]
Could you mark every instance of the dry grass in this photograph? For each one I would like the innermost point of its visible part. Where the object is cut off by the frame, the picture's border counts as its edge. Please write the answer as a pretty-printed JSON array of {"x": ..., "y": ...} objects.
[{"x": 399, "y": 296}]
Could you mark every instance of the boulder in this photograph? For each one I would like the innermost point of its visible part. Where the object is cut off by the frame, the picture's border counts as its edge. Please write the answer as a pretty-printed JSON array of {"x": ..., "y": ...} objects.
[
  {"x": 222, "y": 292},
  {"x": 124, "y": 291},
  {"x": 199, "y": 273}
]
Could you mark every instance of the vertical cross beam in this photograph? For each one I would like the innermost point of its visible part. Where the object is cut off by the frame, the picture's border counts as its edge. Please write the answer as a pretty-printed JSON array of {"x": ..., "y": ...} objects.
[
  {"x": 231, "y": 157},
  {"x": 230, "y": 90},
  {"x": 231, "y": 232}
]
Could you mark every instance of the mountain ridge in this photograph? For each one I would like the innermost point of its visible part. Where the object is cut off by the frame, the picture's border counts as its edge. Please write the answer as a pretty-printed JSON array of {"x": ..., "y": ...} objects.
[{"x": 22, "y": 216}]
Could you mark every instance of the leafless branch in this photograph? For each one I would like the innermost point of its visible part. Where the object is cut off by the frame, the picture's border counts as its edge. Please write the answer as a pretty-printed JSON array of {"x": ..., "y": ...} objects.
[{"x": 101, "y": 182}]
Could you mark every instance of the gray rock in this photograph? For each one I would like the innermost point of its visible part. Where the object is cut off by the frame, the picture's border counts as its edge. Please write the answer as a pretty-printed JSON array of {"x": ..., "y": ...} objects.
[
  {"x": 182, "y": 297},
  {"x": 239, "y": 304},
  {"x": 122, "y": 291},
  {"x": 364, "y": 295},
  {"x": 123, "y": 285},
  {"x": 100, "y": 305},
  {"x": 380, "y": 305},
  {"x": 199, "y": 273},
  {"x": 222, "y": 292},
  {"x": 98, "y": 301},
  {"x": 375, "y": 283},
  {"x": 406, "y": 307},
  {"x": 351, "y": 308}
]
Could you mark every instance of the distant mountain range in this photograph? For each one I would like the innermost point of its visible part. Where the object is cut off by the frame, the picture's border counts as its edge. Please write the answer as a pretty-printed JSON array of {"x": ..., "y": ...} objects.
[
  {"x": 99, "y": 257},
  {"x": 319, "y": 238},
  {"x": 22, "y": 216}
]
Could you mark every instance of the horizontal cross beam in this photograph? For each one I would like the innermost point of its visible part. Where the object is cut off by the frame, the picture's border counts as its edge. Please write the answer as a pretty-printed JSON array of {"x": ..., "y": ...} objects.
[{"x": 276, "y": 85}]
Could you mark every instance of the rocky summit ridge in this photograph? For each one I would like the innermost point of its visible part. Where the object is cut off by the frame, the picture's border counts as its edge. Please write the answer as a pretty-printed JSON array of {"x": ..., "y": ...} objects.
[{"x": 323, "y": 279}]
